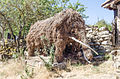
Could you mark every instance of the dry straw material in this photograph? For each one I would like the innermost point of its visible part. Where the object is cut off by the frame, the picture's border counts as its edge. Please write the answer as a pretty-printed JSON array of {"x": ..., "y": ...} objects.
[{"x": 57, "y": 30}]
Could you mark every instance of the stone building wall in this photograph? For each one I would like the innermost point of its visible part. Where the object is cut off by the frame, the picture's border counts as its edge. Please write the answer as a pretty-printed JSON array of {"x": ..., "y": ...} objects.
[{"x": 99, "y": 39}]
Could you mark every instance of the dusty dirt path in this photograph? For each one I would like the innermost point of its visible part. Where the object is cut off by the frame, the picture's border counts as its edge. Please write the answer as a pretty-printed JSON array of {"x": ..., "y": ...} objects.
[
  {"x": 103, "y": 71},
  {"x": 14, "y": 69}
]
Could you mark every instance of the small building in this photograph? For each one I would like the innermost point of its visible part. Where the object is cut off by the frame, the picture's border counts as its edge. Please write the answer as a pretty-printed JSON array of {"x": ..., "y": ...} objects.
[{"x": 115, "y": 6}]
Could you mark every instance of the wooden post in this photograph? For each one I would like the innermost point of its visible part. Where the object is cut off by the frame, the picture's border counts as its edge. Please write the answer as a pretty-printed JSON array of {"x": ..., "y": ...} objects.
[
  {"x": 115, "y": 37},
  {"x": 118, "y": 24}
]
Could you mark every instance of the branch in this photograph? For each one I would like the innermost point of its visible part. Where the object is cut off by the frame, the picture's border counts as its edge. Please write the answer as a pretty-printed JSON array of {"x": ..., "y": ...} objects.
[{"x": 11, "y": 30}]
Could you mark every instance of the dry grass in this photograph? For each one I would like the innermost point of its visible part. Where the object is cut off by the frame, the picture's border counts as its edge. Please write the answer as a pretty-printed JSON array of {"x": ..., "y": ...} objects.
[
  {"x": 15, "y": 69},
  {"x": 103, "y": 71},
  {"x": 11, "y": 69}
]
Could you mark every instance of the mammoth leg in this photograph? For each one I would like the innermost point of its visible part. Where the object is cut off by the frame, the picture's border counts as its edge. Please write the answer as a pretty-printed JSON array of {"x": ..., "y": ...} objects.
[
  {"x": 60, "y": 46},
  {"x": 31, "y": 49},
  {"x": 87, "y": 52}
]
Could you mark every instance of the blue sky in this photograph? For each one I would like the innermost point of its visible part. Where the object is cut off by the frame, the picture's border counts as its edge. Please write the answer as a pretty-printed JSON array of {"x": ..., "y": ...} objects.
[{"x": 95, "y": 11}]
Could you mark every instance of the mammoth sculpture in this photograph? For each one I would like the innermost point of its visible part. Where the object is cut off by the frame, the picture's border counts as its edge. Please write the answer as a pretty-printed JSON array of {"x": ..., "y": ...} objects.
[{"x": 58, "y": 30}]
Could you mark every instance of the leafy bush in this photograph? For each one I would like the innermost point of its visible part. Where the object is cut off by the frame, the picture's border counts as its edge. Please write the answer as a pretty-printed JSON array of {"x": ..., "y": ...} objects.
[
  {"x": 103, "y": 23},
  {"x": 28, "y": 73}
]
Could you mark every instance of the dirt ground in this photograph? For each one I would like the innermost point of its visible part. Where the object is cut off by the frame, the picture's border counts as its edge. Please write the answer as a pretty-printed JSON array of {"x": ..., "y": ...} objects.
[{"x": 16, "y": 69}]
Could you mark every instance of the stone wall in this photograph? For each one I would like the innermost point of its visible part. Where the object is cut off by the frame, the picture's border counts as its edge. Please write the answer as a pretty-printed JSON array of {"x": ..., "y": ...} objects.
[{"x": 99, "y": 39}]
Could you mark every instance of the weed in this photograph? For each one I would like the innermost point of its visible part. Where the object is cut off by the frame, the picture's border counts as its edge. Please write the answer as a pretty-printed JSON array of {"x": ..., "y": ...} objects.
[
  {"x": 107, "y": 56},
  {"x": 15, "y": 55},
  {"x": 22, "y": 53},
  {"x": 4, "y": 57},
  {"x": 23, "y": 77},
  {"x": 96, "y": 69},
  {"x": 2, "y": 74},
  {"x": 28, "y": 73},
  {"x": 49, "y": 49},
  {"x": 52, "y": 50},
  {"x": 48, "y": 65}
]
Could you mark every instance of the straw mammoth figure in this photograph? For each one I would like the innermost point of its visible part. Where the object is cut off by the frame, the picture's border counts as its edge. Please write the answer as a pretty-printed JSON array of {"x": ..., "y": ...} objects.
[{"x": 57, "y": 30}]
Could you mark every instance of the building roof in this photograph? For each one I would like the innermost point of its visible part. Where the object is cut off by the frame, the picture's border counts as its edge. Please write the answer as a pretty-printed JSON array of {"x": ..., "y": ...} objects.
[{"x": 110, "y": 4}]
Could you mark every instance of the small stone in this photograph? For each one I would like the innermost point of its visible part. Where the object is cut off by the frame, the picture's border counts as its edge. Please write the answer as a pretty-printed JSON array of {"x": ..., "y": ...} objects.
[
  {"x": 104, "y": 33},
  {"x": 87, "y": 29},
  {"x": 115, "y": 52},
  {"x": 104, "y": 43},
  {"x": 107, "y": 46},
  {"x": 59, "y": 65},
  {"x": 105, "y": 36},
  {"x": 98, "y": 43},
  {"x": 101, "y": 51},
  {"x": 91, "y": 43},
  {"x": 96, "y": 46},
  {"x": 110, "y": 34},
  {"x": 90, "y": 31},
  {"x": 102, "y": 28},
  {"x": 96, "y": 37},
  {"x": 89, "y": 35},
  {"x": 101, "y": 47},
  {"x": 100, "y": 39},
  {"x": 108, "y": 50}
]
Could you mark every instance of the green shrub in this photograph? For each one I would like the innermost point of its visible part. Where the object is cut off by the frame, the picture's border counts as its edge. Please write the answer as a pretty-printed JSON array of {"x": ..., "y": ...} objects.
[{"x": 103, "y": 23}]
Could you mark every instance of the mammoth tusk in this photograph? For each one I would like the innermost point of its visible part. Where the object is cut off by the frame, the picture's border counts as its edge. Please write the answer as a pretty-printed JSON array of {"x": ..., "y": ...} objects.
[
  {"x": 86, "y": 58},
  {"x": 83, "y": 44}
]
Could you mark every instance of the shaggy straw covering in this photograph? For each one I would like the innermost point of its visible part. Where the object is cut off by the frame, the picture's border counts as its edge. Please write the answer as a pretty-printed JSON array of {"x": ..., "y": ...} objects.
[{"x": 57, "y": 30}]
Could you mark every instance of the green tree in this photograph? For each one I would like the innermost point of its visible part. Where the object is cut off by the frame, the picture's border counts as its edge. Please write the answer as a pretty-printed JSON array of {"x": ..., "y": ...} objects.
[{"x": 18, "y": 15}]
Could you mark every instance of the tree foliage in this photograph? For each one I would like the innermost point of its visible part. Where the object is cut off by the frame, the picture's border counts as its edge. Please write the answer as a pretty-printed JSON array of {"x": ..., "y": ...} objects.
[
  {"x": 103, "y": 23},
  {"x": 16, "y": 16}
]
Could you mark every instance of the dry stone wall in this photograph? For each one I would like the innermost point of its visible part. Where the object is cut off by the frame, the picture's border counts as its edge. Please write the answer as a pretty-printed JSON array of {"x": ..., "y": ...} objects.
[{"x": 99, "y": 39}]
